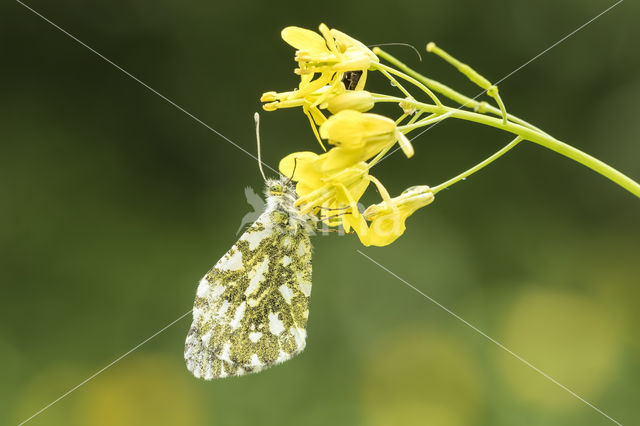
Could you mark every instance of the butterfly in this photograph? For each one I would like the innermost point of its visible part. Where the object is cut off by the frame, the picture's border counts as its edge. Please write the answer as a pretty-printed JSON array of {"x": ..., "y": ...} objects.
[{"x": 251, "y": 308}]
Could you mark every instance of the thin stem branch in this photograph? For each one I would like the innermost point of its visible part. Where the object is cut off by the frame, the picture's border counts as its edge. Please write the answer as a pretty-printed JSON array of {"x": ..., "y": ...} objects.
[
  {"x": 410, "y": 79},
  {"x": 477, "y": 167},
  {"x": 433, "y": 118},
  {"x": 396, "y": 83},
  {"x": 535, "y": 136},
  {"x": 463, "y": 100}
]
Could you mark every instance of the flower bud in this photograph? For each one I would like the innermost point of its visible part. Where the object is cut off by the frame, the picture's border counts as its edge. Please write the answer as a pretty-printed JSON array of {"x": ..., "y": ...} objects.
[
  {"x": 360, "y": 100},
  {"x": 387, "y": 218},
  {"x": 408, "y": 202}
]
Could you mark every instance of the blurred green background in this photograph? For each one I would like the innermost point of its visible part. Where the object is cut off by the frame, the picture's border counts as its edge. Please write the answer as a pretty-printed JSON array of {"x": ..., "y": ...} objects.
[{"x": 114, "y": 204}]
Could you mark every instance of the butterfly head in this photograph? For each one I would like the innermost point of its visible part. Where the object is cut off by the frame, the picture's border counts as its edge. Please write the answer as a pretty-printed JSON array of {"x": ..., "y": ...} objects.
[{"x": 280, "y": 188}]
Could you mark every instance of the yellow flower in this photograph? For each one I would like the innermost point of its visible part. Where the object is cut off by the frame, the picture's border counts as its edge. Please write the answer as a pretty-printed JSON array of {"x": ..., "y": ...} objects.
[
  {"x": 360, "y": 136},
  {"x": 333, "y": 70},
  {"x": 360, "y": 100},
  {"x": 323, "y": 190},
  {"x": 388, "y": 218},
  {"x": 302, "y": 167},
  {"x": 319, "y": 186},
  {"x": 333, "y": 194},
  {"x": 337, "y": 179},
  {"x": 329, "y": 54},
  {"x": 293, "y": 99},
  {"x": 324, "y": 61}
]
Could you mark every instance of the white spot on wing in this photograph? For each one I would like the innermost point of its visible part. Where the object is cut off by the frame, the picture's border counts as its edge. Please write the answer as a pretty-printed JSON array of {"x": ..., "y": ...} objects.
[
  {"x": 197, "y": 313},
  {"x": 222, "y": 311},
  {"x": 233, "y": 263},
  {"x": 283, "y": 356},
  {"x": 300, "y": 335},
  {"x": 275, "y": 325},
  {"x": 286, "y": 242},
  {"x": 225, "y": 353},
  {"x": 208, "y": 374},
  {"x": 206, "y": 338},
  {"x": 255, "y": 237},
  {"x": 286, "y": 260},
  {"x": 189, "y": 350},
  {"x": 237, "y": 317},
  {"x": 255, "y": 361},
  {"x": 301, "y": 248},
  {"x": 217, "y": 291},
  {"x": 258, "y": 276},
  {"x": 203, "y": 288},
  {"x": 254, "y": 336},
  {"x": 286, "y": 293},
  {"x": 305, "y": 288}
]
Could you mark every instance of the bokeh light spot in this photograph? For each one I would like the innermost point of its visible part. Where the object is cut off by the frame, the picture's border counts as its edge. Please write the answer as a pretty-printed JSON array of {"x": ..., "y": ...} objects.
[
  {"x": 419, "y": 377},
  {"x": 568, "y": 336}
]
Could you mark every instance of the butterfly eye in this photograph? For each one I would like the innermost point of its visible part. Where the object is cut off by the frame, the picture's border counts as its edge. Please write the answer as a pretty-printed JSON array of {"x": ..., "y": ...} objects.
[{"x": 276, "y": 189}]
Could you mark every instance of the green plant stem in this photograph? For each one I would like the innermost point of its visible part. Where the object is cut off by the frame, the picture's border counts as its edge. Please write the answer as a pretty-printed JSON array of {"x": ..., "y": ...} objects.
[
  {"x": 477, "y": 167},
  {"x": 526, "y": 133},
  {"x": 464, "y": 101},
  {"x": 410, "y": 79},
  {"x": 395, "y": 82}
]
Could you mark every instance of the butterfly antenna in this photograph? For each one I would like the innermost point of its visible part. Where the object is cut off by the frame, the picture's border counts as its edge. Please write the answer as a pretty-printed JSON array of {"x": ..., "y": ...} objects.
[
  {"x": 400, "y": 44},
  {"x": 256, "y": 117},
  {"x": 295, "y": 164}
]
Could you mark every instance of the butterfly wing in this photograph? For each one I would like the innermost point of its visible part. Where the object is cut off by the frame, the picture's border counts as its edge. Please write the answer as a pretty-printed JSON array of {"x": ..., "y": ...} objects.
[{"x": 251, "y": 308}]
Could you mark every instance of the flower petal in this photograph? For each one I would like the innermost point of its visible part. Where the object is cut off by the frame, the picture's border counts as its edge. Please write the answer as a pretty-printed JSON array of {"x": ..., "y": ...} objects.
[
  {"x": 346, "y": 43},
  {"x": 386, "y": 229},
  {"x": 303, "y": 39},
  {"x": 360, "y": 100},
  {"x": 339, "y": 159},
  {"x": 405, "y": 144},
  {"x": 405, "y": 204},
  {"x": 296, "y": 163},
  {"x": 351, "y": 128}
]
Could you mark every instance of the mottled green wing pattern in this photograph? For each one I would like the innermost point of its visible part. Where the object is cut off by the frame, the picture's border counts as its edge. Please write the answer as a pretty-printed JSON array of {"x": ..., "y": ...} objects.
[{"x": 251, "y": 308}]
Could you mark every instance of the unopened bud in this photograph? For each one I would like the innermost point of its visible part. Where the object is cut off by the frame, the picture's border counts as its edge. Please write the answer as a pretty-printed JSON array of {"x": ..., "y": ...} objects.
[
  {"x": 409, "y": 201},
  {"x": 359, "y": 100}
]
